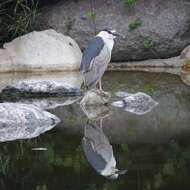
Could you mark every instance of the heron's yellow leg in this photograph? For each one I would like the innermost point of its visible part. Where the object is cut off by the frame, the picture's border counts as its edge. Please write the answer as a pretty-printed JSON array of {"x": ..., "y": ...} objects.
[
  {"x": 100, "y": 85},
  {"x": 101, "y": 121},
  {"x": 101, "y": 90}
]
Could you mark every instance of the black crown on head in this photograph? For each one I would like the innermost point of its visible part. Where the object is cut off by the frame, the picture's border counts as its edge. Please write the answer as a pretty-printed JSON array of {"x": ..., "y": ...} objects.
[{"x": 107, "y": 30}]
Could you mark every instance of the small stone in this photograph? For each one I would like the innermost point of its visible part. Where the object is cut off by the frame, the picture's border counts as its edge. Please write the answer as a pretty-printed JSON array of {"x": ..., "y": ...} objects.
[{"x": 95, "y": 97}]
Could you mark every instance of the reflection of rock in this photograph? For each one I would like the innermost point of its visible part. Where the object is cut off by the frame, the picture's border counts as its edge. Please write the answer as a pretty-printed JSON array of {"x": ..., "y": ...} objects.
[
  {"x": 138, "y": 103},
  {"x": 22, "y": 121},
  {"x": 51, "y": 103},
  {"x": 95, "y": 97},
  {"x": 41, "y": 88},
  {"x": 122, "y": 94},
  {"x": 185, "y": 76},
  {"x": 99, "y": 152},
  {"x": 96, "y": 112},
  {"x": 40, "y": 51}
]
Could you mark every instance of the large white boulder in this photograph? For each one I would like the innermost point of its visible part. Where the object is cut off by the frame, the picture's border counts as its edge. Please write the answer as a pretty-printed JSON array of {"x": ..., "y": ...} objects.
[{"x": 40, "y": 51}]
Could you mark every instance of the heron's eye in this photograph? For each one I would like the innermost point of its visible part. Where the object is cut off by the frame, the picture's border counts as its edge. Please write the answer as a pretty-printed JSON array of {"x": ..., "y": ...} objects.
[{"x": 70, "y": 44}]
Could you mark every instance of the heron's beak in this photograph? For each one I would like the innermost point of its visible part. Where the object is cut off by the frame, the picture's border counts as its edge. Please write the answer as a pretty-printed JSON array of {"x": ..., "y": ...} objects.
[
  {"x": 117, "y": 34},
  {"x": 121, "y": 172}
]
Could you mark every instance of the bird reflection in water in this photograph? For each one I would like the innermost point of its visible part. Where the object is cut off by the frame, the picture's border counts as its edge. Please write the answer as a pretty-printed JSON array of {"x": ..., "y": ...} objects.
[{"x": 97, "y": 148}]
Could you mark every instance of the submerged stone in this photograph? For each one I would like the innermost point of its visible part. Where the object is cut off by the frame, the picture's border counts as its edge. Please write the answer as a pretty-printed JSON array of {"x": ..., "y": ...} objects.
[
  {"x": 22, "y": 121},
  {"x": 138, "y": 103},
  {"x": 40, "y": 88}
]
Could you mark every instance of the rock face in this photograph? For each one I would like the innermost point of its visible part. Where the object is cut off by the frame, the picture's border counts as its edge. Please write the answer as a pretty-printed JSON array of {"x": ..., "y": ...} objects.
[
  {"x": 40, "y": 51},
  {"x": 22, "y": 121},
  {"x": 47, "y": 84},
  {"x": 185, "y": 54},
  {"x": 152, "y": 28},
  {"x": 40, "y": 88}
]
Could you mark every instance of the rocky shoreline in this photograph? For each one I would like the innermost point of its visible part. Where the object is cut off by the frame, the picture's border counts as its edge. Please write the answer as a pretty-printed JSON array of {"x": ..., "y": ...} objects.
[{"x": 50, "y": 51}]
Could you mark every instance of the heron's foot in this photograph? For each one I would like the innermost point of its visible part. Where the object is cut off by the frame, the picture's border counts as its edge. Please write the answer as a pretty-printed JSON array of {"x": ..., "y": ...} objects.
[{"x": 104, "y": 93}]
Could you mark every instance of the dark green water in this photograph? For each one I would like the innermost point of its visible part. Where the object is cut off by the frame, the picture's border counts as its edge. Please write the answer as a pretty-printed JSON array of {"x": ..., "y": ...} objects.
[{"x": 154, "y": 148}]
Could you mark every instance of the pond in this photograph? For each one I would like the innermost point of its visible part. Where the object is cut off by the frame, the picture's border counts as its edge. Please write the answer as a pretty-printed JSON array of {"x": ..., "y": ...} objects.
[{"x": 151, "y": 150}]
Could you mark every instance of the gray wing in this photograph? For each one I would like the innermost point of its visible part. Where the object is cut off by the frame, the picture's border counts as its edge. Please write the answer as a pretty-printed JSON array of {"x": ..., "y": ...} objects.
[
  {"x": 95, "y": 159},
  {"x": 93, "y": 49}
]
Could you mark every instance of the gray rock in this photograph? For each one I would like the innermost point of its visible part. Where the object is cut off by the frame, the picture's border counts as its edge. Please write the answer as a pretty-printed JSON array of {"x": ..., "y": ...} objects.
[
  {"x": 163, "y": 31},
  {"x": 67, "y": 79},
  {"x": 95, "y": 97},
  {"x": 22, "y": 121},
  {"x": 40, "y": 88},
  {"x": 185, "y": 54}
]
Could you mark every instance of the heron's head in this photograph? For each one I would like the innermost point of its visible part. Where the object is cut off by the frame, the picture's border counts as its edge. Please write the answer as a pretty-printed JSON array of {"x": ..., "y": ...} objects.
[
  {"x": 116, "y": 173},
  {"x": 109, "y": 34}
]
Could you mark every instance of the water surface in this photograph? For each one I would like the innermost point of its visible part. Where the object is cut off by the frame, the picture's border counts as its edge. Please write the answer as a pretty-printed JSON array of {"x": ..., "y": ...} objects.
[{"x": 154, "y": 147}]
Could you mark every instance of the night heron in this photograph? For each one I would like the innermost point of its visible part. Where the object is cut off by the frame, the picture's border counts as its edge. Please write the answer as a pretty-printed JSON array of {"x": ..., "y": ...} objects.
[
  {"x": 99, "y": 152},
  {"x": 96, "y": 57}
]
